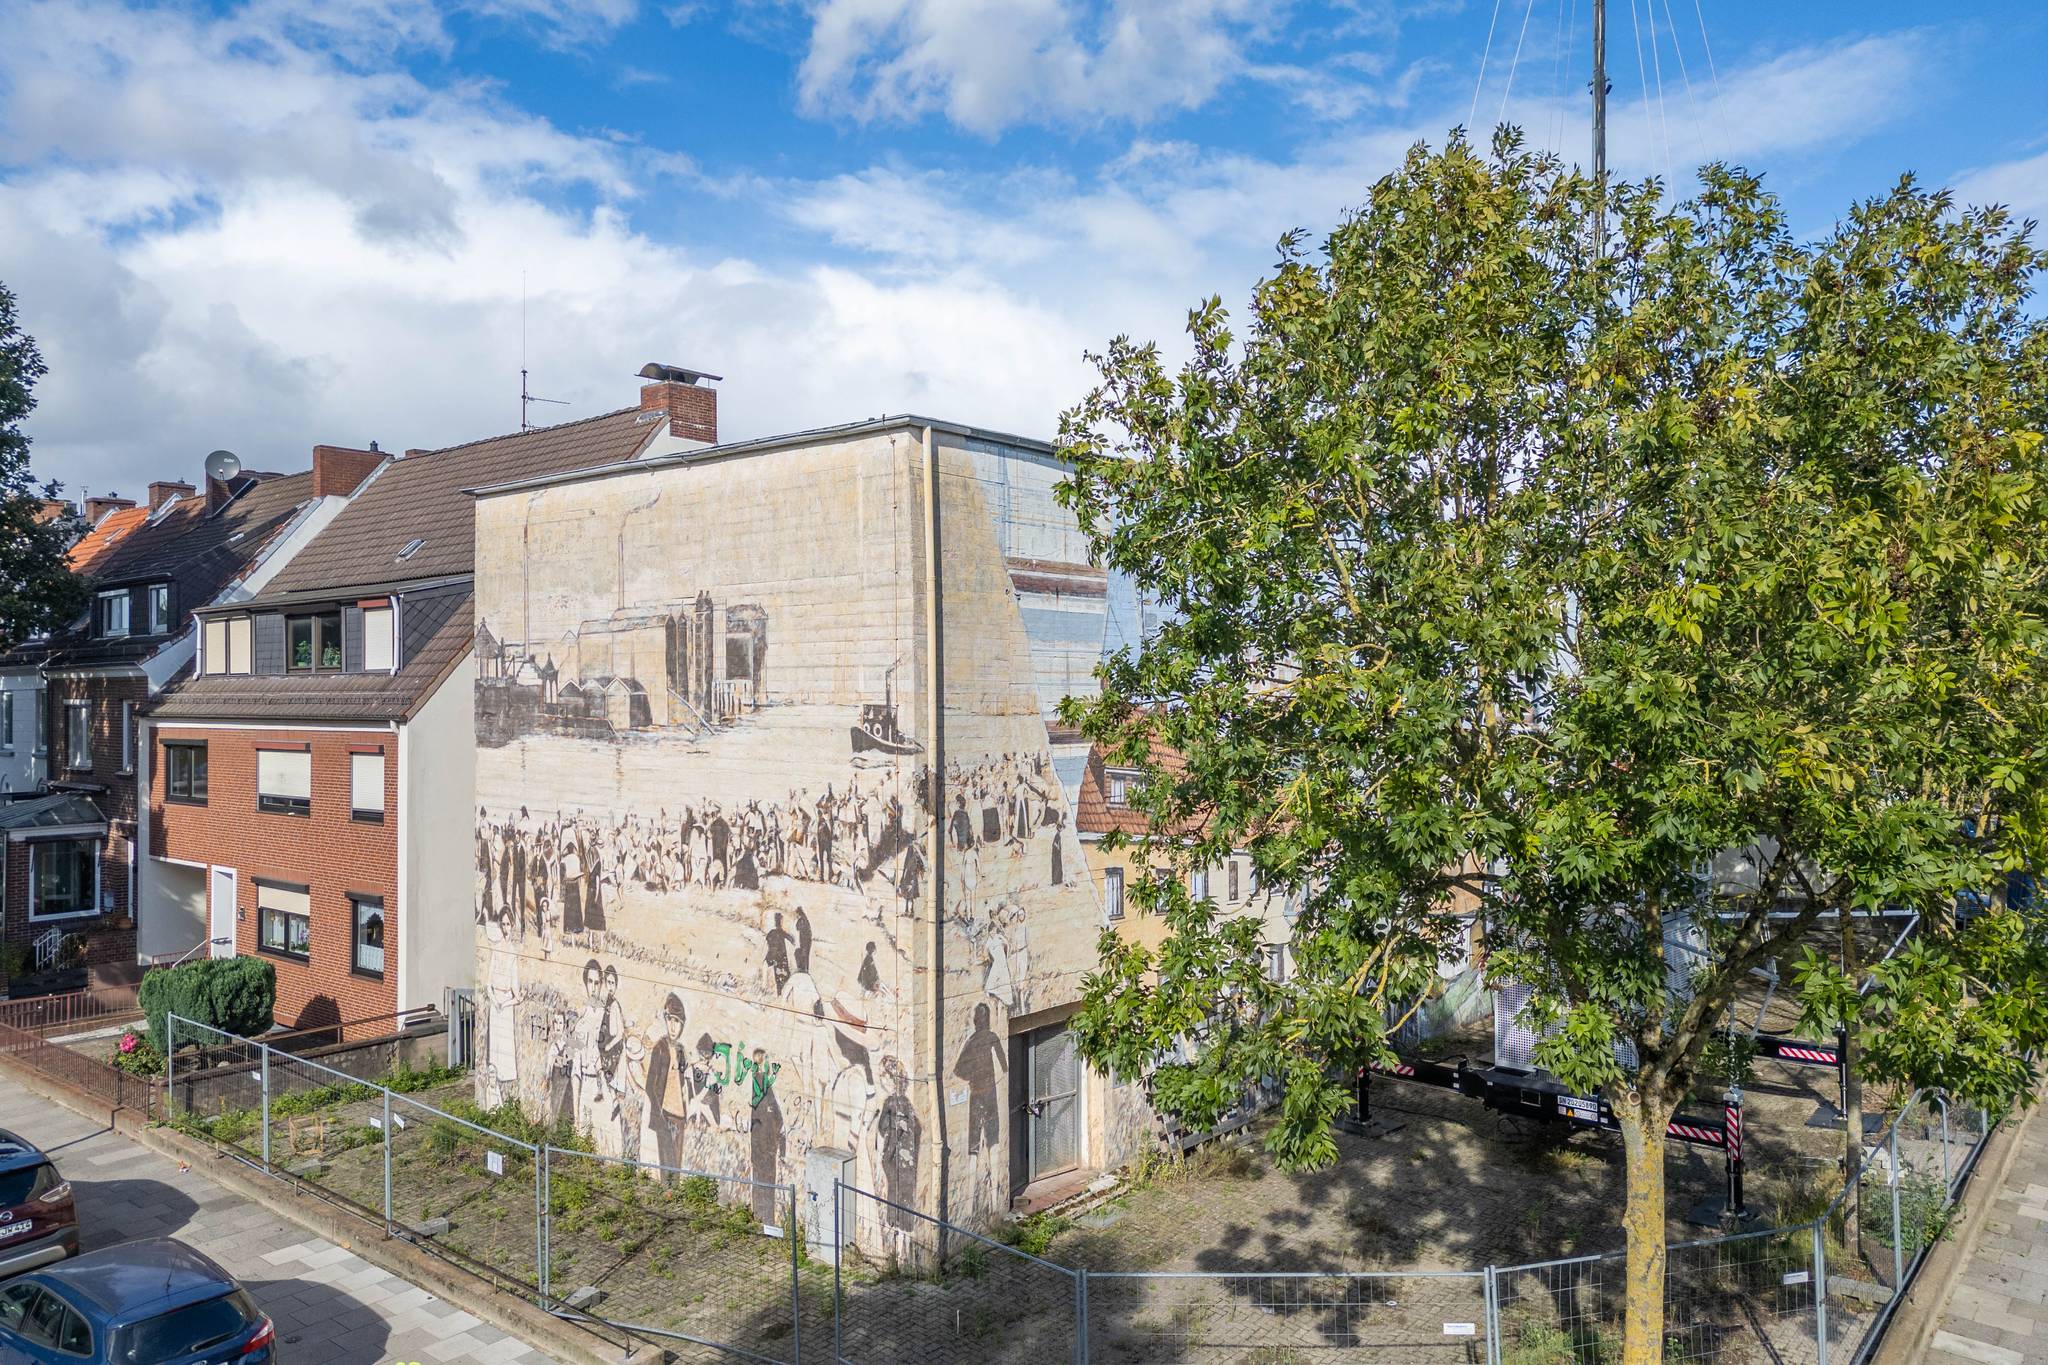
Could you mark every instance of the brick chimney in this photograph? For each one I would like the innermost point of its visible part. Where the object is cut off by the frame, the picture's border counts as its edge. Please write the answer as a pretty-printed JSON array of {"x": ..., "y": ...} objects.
[
  {"x": 162, "y": 491},
  {"x": 55, "y": 508},
  {"x": 340, "y": 470},
  {"x": 221, "y": 492},
  {"x": 692, "y": 407},
  {"x": 95, "y": 508}
]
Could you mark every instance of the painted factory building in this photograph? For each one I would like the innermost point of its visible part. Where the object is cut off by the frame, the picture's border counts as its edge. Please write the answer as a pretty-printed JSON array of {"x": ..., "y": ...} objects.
[{"x": 776, "y": 841}]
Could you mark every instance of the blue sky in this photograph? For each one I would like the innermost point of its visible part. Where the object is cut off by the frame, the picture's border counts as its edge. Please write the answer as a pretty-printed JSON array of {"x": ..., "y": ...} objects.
[{"x": 271, "y": 224}]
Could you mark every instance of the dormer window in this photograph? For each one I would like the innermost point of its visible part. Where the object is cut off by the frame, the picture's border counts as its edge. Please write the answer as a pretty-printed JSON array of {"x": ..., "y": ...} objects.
[
  {"x": 225, "y": 645},
  {"x": 1122, "y": 782},
  {"x": 113, "y": 614},
  {"x": 312, "y": 644},
  {"x": 159, "y": 608},
  {"x": 380, "y": 652}
]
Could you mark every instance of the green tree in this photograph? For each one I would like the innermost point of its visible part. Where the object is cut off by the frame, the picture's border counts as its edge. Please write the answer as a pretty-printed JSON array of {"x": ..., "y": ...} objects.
[
  {"x": 38, "y": 591},
  {"x": 1537, "y": 545}
]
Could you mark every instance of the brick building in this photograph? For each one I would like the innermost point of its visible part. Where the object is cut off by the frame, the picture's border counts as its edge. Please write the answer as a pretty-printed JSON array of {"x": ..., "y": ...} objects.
[
  {"x": 311, "y": 787},
  {"x": 70, "y": 875}
]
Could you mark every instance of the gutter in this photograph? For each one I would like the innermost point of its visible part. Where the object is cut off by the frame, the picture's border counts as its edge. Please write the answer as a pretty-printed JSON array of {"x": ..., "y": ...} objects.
[{"x": 935, "y": 714}]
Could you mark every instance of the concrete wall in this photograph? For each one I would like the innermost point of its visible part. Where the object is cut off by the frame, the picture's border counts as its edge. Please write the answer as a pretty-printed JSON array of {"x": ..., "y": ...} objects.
[
  {"x": 624, "y": 861},
  {"x": 173, "y": 914},
  {"x": 437, "y": 808}
]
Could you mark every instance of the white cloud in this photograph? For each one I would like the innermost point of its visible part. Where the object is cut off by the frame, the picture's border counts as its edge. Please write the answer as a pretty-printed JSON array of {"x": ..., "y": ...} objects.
[
  {"x": 988, "y": 65},
  {"x": 2021, "y": 185},
  {"x": 224, "y": 235}
]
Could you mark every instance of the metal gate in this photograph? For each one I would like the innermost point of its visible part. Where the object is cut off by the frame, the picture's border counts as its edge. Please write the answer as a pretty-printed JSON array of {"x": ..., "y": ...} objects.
[{"x": 1054, "y": 1102}]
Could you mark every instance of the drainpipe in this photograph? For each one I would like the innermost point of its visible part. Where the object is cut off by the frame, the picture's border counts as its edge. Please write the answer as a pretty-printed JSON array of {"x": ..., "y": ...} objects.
[{"x": 934, "y": 728}]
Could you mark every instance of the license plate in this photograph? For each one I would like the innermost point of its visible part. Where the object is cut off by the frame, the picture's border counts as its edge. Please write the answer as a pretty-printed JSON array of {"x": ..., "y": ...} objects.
[{"x": 12, "y": 1230}]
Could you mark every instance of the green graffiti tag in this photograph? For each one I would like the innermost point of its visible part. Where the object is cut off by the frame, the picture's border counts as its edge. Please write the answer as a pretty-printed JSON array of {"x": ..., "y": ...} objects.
[{"x": 735, "y": 1066}]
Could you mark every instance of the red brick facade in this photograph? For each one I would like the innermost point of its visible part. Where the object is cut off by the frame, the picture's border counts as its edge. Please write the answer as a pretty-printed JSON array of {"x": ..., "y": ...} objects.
[{"x": 328, "y": 851}]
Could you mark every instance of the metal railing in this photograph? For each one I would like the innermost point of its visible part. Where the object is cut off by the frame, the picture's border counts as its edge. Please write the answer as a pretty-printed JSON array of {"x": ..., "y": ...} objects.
[{"x": 697, "y": 1259}]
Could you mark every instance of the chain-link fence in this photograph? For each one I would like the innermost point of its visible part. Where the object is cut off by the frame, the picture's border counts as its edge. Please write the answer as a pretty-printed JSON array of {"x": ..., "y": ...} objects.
[
  {"x": 716, "y": 1266},
  {"x": 1421, "y": 1316},
  {"x": 690, "y": 1257},
  {"x": 984, "y": 1302}
]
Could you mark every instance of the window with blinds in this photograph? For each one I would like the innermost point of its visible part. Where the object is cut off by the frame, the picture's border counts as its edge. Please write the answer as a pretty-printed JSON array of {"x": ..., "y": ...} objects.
[
  {"x": 285, "y": 920},
  {"x": 284, "y": 781},
  {"x": 380, "y": 653},
  {"x": 366, "y": 785}
]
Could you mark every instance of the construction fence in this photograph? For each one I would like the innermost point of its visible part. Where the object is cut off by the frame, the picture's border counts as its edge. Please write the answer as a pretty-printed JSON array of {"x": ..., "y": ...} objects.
[{"x": 709, "y": 1266}]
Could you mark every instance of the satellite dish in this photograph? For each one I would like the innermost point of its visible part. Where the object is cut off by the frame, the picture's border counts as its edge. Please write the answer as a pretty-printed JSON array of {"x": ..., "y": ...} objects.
[{"x": 223, "y": 465}]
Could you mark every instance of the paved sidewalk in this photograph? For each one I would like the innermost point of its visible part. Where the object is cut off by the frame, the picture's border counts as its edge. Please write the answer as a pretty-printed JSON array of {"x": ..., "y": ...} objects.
[
  {"x": 1998, "y": 1312},
  {"x": 331, "y": 1306}
]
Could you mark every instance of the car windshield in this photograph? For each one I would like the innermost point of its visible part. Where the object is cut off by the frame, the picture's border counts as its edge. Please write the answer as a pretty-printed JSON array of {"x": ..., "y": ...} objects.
[
  {"x": 184, "y": 1331},
  {"x": 17, "y": 1186}
]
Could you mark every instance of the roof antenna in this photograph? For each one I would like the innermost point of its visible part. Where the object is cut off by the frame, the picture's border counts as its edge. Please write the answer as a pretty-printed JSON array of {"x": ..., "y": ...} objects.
[{"x": 526, "y": 398}]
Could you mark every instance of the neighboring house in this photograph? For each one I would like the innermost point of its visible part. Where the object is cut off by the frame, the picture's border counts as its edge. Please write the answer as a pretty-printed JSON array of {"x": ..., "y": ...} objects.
[
  {"x": 1107, "y": 806},
  {"x": 71, "y": 864},
  {"x": 311, "y": 783},
  {"x": 733, "y": 920}
]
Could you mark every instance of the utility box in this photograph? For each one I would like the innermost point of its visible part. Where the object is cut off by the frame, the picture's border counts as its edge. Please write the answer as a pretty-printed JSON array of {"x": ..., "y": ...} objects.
[{"x": 823, "y": 1167}]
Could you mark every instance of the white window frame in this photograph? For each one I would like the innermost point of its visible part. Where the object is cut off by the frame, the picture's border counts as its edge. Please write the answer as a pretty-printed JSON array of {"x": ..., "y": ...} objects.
[
  {"x": 1198, "y": 884},
  {"x": 213, "y": 646},
  {"x": 1121, "y": 780},
  {"x": 127, "y": 736},
  {"x": 1113, "y": 893},
  {"x": 7, "y": 720},
  {"x": 92, "y": 906},
  {"x": 380, "y": 644},
  {"x": 358, "y": 762},
  {"x": 104, "y": 604},
  {"x": 240, "y": 644},
  {"x": 75, "y": 731},
  {"x": 157, "y": 600}
]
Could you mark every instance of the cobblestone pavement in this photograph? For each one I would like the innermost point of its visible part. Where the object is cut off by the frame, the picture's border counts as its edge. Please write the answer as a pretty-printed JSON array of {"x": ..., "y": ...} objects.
[
  {"x": 1998, "y": 1312},
  {"x": 331, "y": 1306}
]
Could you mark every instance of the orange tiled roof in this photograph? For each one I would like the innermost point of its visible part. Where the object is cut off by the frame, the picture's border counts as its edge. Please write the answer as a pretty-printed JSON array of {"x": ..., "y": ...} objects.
[{"x": 94, "y": 544}]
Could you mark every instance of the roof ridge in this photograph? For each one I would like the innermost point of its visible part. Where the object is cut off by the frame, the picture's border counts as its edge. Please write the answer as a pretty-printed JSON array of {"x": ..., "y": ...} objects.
[{"x": 513, "y": 435}]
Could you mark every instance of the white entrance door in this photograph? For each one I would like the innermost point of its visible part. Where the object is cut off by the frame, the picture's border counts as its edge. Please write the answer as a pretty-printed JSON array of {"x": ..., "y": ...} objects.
[{"x": 221, "y": 898}]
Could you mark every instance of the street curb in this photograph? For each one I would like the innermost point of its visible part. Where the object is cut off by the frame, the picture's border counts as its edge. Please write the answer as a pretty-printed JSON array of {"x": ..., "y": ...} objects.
[
  {"x": 1912, "y": 1325},
  {"x": 545, "y": 1332}
]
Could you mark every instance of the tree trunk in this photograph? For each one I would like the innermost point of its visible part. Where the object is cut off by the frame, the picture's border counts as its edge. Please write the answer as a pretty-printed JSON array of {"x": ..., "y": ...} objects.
[
  {"x": 1643, "y": 1124},
  {"x": 1852, "y": 1097}
]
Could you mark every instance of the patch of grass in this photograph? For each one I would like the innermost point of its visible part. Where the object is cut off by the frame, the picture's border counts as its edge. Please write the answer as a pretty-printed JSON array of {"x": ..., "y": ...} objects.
[{"x": 1034, "y": 1235}]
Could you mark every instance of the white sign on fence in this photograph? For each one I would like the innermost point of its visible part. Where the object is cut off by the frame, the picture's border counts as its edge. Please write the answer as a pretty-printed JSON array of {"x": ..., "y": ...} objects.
[
  {"x": 1798, "y": 1277},
  {"x": 1461, "y": 1329},
  {"x": 495, "y": 1162}
]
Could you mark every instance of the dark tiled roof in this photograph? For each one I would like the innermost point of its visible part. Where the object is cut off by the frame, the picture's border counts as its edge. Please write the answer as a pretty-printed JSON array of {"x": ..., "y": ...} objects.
[
  {"x": 59, "y": 810},
  {"x": 420, "y": 497},
  {"x": 197, "y": 553},
  {"x": 437, "y": 634}
]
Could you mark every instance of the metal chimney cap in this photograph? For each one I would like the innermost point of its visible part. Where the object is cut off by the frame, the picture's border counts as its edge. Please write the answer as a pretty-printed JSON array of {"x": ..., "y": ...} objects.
[{"x": 674, "y": 374}]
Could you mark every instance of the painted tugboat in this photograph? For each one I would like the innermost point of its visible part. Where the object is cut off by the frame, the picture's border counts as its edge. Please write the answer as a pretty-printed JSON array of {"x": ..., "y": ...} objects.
[{"x": 878, "y": 730}]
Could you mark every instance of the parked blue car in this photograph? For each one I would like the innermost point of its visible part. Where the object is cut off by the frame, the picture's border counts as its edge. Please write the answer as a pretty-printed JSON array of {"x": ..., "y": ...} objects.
[{"x": 154, "y": 1302}]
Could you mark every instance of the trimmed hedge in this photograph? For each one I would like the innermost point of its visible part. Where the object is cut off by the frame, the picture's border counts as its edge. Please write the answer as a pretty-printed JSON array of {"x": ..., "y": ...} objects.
[{"x": 233, "y": 994}]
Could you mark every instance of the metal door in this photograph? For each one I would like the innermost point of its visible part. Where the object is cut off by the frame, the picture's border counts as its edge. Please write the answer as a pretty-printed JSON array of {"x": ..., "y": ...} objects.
[
  {"x": 221, "y": 896},
  {"x": 1054, "y": 1103}
]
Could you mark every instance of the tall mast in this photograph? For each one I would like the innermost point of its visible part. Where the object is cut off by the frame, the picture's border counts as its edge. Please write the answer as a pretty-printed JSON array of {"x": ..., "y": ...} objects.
[{"x": 1600, "y": 123}]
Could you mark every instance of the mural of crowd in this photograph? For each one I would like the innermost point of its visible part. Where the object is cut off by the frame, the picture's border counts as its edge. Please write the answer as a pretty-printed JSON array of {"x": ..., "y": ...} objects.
[{"x": 661, "y": 1089}]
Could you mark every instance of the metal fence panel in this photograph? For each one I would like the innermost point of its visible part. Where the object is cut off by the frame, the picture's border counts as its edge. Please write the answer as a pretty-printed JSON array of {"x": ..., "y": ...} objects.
[
  {"x": 1341, "y": 1318},
  {"x": 327, "y": 1131},
  {"x": 215, "y": 1086},
  {"x": 987, "y": 1302},
  {"x": 1740, "y": 1299},
  {"x": 466, "y": 1192},
  {"x": 684, "y": 1256},
  {"x": 1565, "y": 1312}
]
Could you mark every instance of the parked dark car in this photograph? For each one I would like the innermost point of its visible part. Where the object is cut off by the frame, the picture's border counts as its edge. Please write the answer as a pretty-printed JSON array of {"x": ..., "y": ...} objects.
[
  {"x": 155, "y": 1302},
  {"x": 37, "y": 1223}
]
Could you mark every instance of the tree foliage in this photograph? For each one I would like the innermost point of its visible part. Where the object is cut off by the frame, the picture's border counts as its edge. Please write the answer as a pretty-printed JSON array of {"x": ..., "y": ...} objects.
[
  {"x": 1515, "y": 578},
  {"x": 233, "y": 994},
  {"x": 38, "y": 591}
]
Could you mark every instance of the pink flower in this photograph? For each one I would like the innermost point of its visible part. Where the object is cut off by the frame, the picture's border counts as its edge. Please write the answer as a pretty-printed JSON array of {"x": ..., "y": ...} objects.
[{"x": 129, "y": 1042}]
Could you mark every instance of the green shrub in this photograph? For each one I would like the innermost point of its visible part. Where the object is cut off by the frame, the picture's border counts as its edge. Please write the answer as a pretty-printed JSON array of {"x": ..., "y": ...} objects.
[{"x": 233, "y": 994}]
